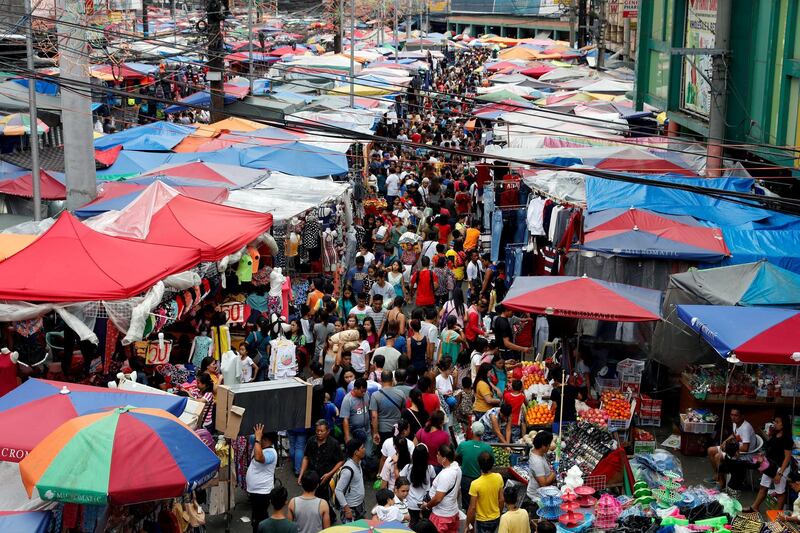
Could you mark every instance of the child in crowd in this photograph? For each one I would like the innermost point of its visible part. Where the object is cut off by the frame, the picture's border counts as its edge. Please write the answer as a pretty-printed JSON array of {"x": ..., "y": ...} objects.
[
  {"x": 386, "y": 510},
  {"x": 401, "y": 487},
  {"x": 249, "y": 368},
  {"x": 514, "y": 520},
  {"x": 377, "y": 367},
  {"x": 465, "y": 399}
]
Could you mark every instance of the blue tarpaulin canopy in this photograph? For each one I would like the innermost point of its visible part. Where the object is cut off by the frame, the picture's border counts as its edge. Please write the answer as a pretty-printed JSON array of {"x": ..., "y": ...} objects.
[
  {"x": 157, "y": 137},
  {"x": 42, "y": 87},
  {"x": 131, "y": 162},
  {"x": 608, "y": 194},
  {"x": 780, "y": 247},
  {"x": 201, "y": 98},
  {"x": 296, "y": 158}
]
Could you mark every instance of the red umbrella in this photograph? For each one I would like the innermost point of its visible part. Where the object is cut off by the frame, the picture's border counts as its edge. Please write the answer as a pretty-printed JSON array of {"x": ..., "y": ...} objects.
[{"x": 583, "y": 297}]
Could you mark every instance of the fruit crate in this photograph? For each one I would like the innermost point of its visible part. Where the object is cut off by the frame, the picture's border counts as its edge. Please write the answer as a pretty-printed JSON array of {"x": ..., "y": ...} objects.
[
  {"x": 696, "y": 427},
  {"x": 607, "y": 384},
  {"x": 651, "y": 421},
  {"x": 630, "y": 372}
]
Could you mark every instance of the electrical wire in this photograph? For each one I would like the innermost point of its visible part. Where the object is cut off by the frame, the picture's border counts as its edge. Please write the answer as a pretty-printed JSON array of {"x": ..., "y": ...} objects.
[
  {"x": 780, "y": 205},
  {"x": 542, "y": 110}
]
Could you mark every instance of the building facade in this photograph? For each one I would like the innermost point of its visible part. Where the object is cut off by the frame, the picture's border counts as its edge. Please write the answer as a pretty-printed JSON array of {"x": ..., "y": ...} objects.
[{"x": 763, "y": 70}]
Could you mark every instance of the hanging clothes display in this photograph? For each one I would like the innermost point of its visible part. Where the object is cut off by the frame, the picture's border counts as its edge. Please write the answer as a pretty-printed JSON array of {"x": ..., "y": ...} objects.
[
  {"x": 221, "y": 337},
  {"x": 330, "y": 256},
  {"x": 312, "y": 234},
  {"x": 244, "y": 272},
  {"x": 283, "y": 361},
  {"x": 252, "y": 251}
]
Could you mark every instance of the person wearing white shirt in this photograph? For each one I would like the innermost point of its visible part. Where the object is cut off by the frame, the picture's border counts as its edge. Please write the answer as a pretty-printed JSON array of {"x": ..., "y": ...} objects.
[
  {"x": 444, "y": 492},
  {"x": 743, "y": 433},
  {"x": 392, "y": 186},
  {"x": 260, "y": 475},
  {"x": 368, "y": 256}
]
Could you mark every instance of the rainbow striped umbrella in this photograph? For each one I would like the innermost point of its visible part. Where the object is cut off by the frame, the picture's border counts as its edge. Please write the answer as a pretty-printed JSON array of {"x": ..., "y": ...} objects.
[
  {"x": 368, "y": 526},
  {"x": 122, "y": 456},
  {"x": 20, "y": 124}
]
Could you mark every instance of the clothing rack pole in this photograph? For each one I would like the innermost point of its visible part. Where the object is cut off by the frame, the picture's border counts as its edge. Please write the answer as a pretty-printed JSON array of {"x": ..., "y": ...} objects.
[{"x": 229, "y": 513}]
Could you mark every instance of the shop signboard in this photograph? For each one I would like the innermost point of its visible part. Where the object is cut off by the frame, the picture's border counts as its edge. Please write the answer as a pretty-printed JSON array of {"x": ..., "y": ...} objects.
[
  {"x": 701, "y": 16},
  {"x": 234, "y": 312},
  {"x": 631, "y": 9},
  {"x": 158, "y": 353}
]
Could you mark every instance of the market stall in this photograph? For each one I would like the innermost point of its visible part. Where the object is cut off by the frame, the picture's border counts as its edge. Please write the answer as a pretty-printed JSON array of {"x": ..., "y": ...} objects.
[{"x": 764, "y": 340}]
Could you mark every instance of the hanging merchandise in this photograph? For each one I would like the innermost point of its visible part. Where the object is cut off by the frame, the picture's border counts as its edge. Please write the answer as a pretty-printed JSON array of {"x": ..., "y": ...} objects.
[
  {"x": 274, "y": 301},
  {"x": 221, "y": 337},
  {"x": 252, "y": 251},
  {"x": 312, "y": 233},
  {"x": 283, "y": 362},
  {"x": 330, "y": 255}
]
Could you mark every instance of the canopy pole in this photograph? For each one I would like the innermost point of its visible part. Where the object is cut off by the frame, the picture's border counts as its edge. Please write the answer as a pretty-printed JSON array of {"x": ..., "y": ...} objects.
[
  {"x": 725, "y": 400},
  {"x": 561, "y": 417},
  {"x": 251, "y": 66},
  {"x": 794, "y": 392},
  {"x": 34, "y": 116}
]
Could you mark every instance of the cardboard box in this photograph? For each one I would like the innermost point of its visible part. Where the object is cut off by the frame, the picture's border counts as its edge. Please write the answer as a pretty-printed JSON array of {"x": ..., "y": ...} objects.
[{"x": 279, "y": 405}]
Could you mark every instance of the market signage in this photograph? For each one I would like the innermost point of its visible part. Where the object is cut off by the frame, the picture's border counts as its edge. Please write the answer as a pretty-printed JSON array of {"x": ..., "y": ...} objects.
[
  {"x": 234, "y": 312},
  {"x": 12, "y": 455},
  {"x": 701, "y": 19},
  {"x": 152, "y": 351},
  {"x": 630, "y": 9}
]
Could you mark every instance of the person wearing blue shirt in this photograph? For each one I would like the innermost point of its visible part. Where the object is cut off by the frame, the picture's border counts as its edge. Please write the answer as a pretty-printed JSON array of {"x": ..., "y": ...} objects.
[{"x": 356, "y": 275}]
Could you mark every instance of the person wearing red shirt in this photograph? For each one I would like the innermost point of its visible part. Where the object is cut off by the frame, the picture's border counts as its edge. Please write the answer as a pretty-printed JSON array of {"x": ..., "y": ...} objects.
[
  {"x": 425, "y": 282},
  {"x": 516, "y": 399},
  {"x": 430, "y": 400},
  {"x": 474, "y": 327},
  {"x": 444, "y": 229}
]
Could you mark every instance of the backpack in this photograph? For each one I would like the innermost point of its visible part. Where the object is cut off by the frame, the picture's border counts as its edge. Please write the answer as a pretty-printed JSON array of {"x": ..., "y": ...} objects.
[{"x": 335, "y": 481}]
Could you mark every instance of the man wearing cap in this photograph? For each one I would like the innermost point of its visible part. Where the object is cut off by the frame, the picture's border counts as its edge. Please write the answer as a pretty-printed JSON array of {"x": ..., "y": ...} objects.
[{"x": 467, "y": 456}]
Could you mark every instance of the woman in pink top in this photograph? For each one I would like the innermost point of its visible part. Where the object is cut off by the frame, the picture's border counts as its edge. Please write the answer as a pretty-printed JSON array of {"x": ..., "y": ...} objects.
[{"x": 433, "y": 436}]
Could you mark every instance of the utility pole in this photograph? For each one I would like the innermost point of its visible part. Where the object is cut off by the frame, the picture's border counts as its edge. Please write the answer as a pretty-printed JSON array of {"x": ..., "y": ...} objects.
[
  {"x": 34, "y": 136},
  {"x": 600, "y": 41},
  {"x": 572, "y": 23},
  {"x": 145, "y": 19},
  {"x": 626, "y": 38},
  {"x": 719, "y": 90},
  {"x": 216, "y": 62},
  {"x": 394, "y": 33},
  {"x": 582, "y": 23},
  {"x": 353, "y": 54},
  {"x": 250, "y": 7},
  {"x": 408, "y": 22},
  {"x": 172, "y": 10},
  {"x": 76, "y": 113}
]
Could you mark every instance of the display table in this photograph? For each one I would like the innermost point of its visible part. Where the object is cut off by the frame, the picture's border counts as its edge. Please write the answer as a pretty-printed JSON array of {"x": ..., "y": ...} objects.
[{"x": 757, "y": 411}]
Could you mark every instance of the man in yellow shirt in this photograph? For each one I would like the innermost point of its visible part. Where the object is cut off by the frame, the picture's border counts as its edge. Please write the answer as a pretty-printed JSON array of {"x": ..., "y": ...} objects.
[
  {"x": 486, "y": 497},
  {"x": 472, "y": 236}
]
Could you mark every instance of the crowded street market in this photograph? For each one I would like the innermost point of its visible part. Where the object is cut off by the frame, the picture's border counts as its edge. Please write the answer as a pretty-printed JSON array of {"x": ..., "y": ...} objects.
[{"x": 381, "y": 279}]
